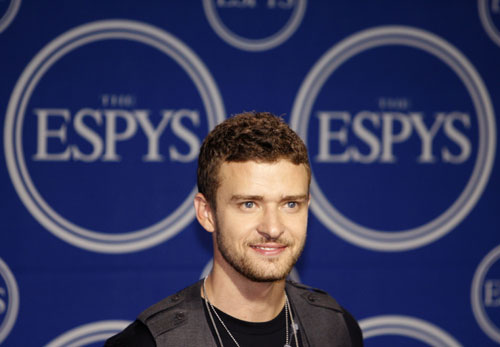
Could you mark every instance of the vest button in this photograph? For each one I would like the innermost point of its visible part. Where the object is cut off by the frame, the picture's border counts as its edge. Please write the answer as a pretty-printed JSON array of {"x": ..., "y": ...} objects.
[{"x": 179, "y": 317}]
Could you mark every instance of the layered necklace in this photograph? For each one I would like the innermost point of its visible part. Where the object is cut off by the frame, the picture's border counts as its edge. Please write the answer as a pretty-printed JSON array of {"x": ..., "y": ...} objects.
[{"x": 210, "y": 308}]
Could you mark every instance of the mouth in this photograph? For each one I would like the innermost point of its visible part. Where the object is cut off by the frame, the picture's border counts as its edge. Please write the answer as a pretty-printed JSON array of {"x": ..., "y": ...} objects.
[{"x": 269, "y": 249}]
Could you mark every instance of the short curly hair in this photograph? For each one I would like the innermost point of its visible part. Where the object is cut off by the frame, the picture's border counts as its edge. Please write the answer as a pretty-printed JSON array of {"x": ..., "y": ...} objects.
[{"x": 257, "y": 136}]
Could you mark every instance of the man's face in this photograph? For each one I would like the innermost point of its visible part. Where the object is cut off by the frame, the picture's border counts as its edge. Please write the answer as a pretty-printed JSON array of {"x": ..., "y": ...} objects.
[{"x": 261, "y": 217}]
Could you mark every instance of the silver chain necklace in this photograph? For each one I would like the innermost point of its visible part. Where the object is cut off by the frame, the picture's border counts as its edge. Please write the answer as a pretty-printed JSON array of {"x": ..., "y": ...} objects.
[{"x": 211, "y": 308}]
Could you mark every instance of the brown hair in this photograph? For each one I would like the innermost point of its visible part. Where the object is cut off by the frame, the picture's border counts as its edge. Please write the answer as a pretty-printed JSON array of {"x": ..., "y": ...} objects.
[{"x": 258, "y": 136}]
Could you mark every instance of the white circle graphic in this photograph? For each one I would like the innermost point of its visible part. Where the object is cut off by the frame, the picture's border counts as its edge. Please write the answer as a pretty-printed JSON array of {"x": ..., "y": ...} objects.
[
  {"x": 97, "y": 31},
  {"x": 254, "y": 45},
  {"x": 293, "y": 275},
  {"x": 402, "y": 240},
  {"x": 485, "y": 15},
  {"x": 476, "y": 289},
  {"x": 414, "y": 328},
  {"x": 89, "y": 333},
  {"x": 10, "y": 14},
  {"x": 13, "y": 302}
]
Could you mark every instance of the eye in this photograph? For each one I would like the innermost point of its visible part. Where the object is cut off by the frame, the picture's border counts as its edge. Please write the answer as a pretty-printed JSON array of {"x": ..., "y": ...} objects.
[
  {"x": 292, "y": 204},
  {"x": 248, "y": 204}
]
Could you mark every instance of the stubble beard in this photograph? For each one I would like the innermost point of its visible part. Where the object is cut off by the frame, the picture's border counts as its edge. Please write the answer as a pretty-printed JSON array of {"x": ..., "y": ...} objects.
[{"x": 276, "y": 269}]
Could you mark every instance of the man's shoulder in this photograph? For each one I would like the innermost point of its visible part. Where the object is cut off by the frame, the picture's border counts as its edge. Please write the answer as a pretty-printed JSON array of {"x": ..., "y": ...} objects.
[
  {"x": 313, "y": 296},
  {"x": 171, "y": 301},
  {"x": 171, "y": 312},
  {"x": 312, "y": 299},
  {"x": 160, "y": 317}
]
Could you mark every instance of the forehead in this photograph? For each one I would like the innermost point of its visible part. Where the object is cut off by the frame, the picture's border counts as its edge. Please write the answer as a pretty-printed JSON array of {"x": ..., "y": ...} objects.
[{"x": 263, "y": 178}]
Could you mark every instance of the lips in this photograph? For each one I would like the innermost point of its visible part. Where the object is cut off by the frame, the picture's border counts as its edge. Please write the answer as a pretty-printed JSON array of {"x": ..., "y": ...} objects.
[{"x": 269, "y": 249}]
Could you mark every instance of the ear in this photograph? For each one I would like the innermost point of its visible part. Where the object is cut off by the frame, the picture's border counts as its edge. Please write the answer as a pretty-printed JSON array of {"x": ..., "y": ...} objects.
[{"x": 204, "y": 213}]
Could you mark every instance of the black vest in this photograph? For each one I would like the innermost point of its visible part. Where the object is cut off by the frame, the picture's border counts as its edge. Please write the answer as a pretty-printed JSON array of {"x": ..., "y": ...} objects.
[{"x": 179, "y": 319}]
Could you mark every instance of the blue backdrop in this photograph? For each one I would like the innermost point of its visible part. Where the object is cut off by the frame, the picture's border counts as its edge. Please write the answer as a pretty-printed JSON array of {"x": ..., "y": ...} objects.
[{"x": 105, "y": 104}]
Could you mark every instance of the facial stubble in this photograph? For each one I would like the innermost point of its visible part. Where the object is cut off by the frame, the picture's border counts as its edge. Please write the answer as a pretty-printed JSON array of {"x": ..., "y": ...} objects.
[{"x": 251, "y": 267}]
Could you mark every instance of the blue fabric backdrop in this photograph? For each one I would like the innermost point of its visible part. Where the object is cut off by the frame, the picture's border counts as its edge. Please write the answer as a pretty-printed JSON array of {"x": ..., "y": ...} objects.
[{"x": 105, "y": 104}]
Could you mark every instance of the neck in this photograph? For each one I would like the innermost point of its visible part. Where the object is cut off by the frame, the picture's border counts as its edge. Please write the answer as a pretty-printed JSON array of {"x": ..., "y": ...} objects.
[{"x": 242, "y": 298}]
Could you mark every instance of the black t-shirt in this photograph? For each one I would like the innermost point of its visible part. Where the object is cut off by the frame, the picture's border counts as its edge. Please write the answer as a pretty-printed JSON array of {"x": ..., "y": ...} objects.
[{"x": 265, "y": 334}]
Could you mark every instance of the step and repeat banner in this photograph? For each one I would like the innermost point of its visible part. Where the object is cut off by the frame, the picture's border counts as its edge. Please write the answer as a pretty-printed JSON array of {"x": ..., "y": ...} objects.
[{"x": 105, "y": 105}]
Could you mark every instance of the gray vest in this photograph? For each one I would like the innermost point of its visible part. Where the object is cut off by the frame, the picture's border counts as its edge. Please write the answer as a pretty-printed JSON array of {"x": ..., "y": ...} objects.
[{"x": 179, "y": 320}]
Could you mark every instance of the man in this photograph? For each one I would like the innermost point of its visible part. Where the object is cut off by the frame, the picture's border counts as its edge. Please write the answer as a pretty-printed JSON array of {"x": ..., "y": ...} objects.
[{"x": 253, "y": 181}]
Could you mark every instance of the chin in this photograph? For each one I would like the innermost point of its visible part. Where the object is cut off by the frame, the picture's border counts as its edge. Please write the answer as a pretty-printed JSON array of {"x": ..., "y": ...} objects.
[
  {"x": 263, "y": 276},
  {"x": 265, "y": 279}
]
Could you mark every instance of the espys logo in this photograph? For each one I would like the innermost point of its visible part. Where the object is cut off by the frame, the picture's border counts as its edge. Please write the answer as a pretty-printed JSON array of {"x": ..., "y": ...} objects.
[
  {"x": 9, "y": 10},
  {"x": 402, "y": 137},
  {"x": 396, "y": 330},
  {"x": 485, "y": 294},
  {"x": 489, "y": 12},
  {"x": 89, "y": 334},
  {"x": 102, "y": 134},
  {"x": 234, "y": 21},
  {"x": 9, "y": 300}
]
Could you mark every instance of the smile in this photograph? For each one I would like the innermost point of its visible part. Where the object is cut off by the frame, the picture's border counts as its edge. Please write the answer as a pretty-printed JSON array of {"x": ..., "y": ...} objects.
[{"x": 268, "y": 250}]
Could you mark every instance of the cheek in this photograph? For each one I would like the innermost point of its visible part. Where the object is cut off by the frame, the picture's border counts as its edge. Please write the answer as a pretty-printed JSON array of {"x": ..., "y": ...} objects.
[
  {"x": 239, "y": 222},
  {"x": 298, "y": 221},
  {"x": 298, "y": 228},
  {"x": 233, "y": 227}
]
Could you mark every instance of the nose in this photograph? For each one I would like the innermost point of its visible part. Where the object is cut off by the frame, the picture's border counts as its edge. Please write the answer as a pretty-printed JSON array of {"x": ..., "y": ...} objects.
[{"x": 270, "y": 225}]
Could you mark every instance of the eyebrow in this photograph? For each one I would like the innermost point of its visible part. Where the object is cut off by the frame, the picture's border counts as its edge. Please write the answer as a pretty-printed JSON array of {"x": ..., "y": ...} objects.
[
  {"x": 247, "y": 197},
  {"x": 301, "y": 197}
]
